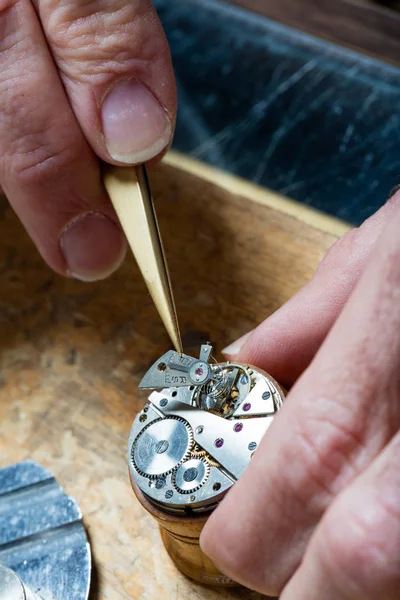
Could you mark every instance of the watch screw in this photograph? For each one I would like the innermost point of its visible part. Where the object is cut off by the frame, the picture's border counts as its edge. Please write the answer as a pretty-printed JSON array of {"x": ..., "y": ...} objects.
[
  {"x": 252, "y": 446},
  {"x": 199, "y": 429},
  {"x": 163, "y": 402},
  {"x": 192, "y": 498},
  {"x": 266, "y": 395},
  {"x": 169, "y": 494}
]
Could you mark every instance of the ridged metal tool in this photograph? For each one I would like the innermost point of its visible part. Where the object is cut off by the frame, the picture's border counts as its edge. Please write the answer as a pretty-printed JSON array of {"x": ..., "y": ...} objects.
[{"x": 42, "y": 538}]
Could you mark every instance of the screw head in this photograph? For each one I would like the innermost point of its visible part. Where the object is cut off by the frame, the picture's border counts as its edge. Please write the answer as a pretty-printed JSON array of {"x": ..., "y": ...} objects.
[
  {"x": 160, "y": 483},
  {"x": 266, "y": 395},
  {"x": 199, "y": 429},
  {"x": 252, "y": 446},
  {"x": 163, "y": 402},
  {"x": 162, "y": 446},
  {"x": 192, "y": 498},
  {"x": 190, "y": 474},
  {"x": 169, "y": 494},
  {"x": 244, "y": 379}
]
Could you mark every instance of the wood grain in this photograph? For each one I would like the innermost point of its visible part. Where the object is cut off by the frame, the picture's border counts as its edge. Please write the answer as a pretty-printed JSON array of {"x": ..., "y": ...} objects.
[
  {"x": 181, "y": 534},
  {"x": 72, "y": 355},
  {"x": 364, "y": 26}
]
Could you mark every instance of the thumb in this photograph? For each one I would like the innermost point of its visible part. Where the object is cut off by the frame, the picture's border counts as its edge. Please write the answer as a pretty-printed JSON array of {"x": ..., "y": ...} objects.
[{"x": 286, "y": 342}]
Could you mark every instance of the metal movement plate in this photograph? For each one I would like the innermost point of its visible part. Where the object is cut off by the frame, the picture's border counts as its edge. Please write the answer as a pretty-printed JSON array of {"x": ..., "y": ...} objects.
[
  {"x": 42, "y": 538},
  {"x": 193, "y": 440}
]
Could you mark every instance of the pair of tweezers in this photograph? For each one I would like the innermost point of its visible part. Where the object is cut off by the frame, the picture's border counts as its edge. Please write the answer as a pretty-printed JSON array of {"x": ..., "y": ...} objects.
[{"x": 129, "y": 190}]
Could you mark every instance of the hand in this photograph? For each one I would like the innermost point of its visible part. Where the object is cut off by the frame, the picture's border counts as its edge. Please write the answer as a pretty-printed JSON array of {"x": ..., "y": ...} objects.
[
  {"x": 316, "y": 515},
  {"x": 79, "y": 80}
]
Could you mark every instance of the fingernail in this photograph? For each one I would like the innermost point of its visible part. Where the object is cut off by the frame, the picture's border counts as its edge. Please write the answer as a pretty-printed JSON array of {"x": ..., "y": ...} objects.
[
  {"x": 93, "y": 247},
  {"x": 135, "y": 125},
  {"x": 235, "y": 347}
]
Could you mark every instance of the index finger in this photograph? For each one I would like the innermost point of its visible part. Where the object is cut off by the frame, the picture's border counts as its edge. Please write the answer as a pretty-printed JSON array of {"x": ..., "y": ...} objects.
[{"x": 286, "y": 342}]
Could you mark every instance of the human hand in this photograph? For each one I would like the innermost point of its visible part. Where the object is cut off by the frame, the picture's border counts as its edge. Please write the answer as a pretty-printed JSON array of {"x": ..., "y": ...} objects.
[
  {"x": 79, "y": 80},
  {"x": 316, "y": 516}
]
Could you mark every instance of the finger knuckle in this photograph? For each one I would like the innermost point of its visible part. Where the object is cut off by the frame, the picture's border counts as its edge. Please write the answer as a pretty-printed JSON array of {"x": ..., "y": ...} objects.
[
  {"x": 359, "y": 556},
  {"x": 36, "y": 162},
  {"x": 324, "y": 449},
  {"x": 102, "y": 38},
  {"x": 39, "y": 141}
]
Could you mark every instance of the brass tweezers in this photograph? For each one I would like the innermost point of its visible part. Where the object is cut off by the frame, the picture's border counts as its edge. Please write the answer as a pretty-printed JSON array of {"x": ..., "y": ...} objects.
[{"x": 129, "y": 190}]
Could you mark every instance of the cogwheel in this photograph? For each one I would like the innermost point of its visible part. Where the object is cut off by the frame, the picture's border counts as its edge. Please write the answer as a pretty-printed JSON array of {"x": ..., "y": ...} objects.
[
  {"x": 197, "y": 452},
  {"x": 211, "y": 462},
  {"x": 161, "y": 447},
  {"x": 190, "y": 475}
]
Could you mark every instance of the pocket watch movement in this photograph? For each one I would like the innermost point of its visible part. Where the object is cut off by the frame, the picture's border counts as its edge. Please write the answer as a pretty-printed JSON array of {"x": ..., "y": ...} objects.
[{"x": 199, "y": 429}]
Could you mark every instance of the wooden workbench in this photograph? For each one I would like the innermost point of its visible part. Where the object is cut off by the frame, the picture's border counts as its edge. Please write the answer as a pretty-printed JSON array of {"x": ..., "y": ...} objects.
[{"x": 72, "y": 353}]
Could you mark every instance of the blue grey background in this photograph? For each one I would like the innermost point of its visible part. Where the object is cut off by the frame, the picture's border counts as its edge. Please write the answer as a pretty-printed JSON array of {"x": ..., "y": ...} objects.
[{"x": 304, "y": 117}]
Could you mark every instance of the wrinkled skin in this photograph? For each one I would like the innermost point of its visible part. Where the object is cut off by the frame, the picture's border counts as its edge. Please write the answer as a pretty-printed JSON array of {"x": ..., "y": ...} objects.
[
  {"x": 317, "y": 514},
  {"x": 79, "y": 80}
]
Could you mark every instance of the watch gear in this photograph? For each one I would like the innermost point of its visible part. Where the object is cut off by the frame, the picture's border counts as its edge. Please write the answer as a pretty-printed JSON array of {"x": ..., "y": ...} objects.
[
  {"x": 198, "y": 452},
  {"x": 162, "y": 446},
  {"x": 230, "y": 385},
  {"x": 202, "y": 424},
  {"x": 190, "y": 475}
]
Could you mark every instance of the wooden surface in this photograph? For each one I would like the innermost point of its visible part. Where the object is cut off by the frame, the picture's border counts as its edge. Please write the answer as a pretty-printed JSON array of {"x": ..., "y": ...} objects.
[
  {"x": 72, "y": 353},
  {"x": 364, "y": 26},
  {"x": 181, "y": 535}
]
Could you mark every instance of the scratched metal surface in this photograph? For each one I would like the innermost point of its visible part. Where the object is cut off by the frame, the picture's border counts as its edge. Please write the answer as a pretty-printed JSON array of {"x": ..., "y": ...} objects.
[
  {"x": 42, "y": 537},
  {"x": 309, "y": 119}
]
